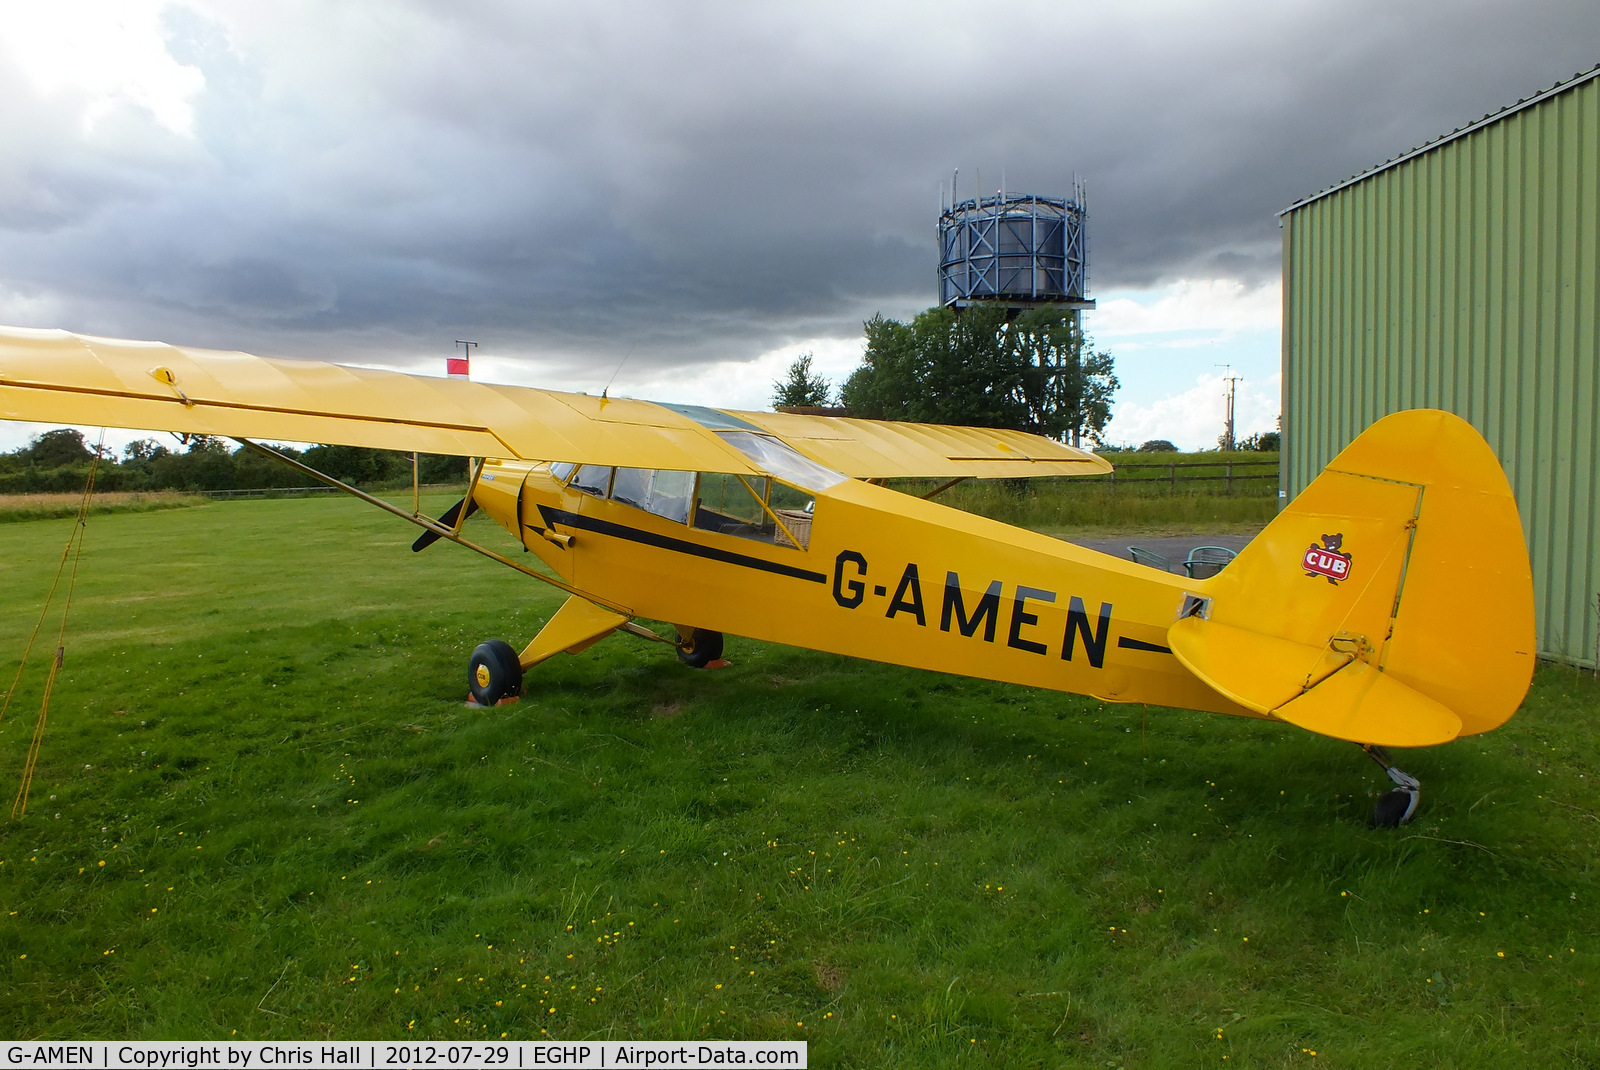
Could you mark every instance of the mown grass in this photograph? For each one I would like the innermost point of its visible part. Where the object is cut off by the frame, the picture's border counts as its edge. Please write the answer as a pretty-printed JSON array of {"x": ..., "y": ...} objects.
[
  {"x": 50, "y": 506},
  {"x": 259, "y": 731}
]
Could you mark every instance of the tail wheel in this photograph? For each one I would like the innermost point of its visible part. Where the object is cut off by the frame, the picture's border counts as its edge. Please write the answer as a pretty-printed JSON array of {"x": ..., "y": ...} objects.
[
  {"x": 1394, "y": 808},
  {"x": 699, "y": 648},
  {"x": 493, "y": 673},
  {"x": 1397, "y": 807}
]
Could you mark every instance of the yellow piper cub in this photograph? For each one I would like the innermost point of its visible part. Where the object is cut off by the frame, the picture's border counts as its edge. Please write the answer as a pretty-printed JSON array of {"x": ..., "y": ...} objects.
[{"x": 1355, "y": 614}]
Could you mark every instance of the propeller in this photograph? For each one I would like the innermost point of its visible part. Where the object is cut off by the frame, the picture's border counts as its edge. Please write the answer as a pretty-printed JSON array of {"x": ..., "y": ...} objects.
[{"x": 448, "y": 520}]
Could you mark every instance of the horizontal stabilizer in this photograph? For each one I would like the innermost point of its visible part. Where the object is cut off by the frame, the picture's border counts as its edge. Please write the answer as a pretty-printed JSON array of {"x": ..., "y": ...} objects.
[
  {"x": 1320, "y": 689},
  {"x": 1363, "y": 705},
  {"x": 1259, "y": 672}
]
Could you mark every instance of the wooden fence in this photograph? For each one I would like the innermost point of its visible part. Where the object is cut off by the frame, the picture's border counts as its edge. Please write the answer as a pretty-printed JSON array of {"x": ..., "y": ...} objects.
[{"x": 1170, "y": 473}]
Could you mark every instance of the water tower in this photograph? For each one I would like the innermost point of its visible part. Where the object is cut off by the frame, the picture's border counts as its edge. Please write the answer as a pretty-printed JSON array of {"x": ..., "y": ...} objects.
[{"x": 1018, "y": 251}]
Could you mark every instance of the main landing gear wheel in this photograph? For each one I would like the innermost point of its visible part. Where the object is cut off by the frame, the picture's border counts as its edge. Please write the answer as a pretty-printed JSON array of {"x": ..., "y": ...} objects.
[
  {"x": 699, "y": 648},
  {"x": 1397, "y": 807},
  {"x": 493, "y": 673}
]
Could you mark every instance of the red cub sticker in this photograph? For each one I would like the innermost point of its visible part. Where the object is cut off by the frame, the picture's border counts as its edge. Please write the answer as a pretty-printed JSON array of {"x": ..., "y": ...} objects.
[{"x": 1326, "y": 560}]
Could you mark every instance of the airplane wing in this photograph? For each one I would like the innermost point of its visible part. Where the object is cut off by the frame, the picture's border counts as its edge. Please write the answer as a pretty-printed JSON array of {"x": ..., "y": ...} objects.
[
  {"x": 880, "y": 449},
  {"x": 51, "y": 376}
]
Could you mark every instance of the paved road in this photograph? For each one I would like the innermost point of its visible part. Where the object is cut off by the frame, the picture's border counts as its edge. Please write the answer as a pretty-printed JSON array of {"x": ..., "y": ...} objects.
[{"x": 1173, "y": 547}]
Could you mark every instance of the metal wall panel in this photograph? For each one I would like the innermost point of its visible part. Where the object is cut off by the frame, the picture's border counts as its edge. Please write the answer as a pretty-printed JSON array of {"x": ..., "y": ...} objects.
[{"x": 1466, "y": 276}]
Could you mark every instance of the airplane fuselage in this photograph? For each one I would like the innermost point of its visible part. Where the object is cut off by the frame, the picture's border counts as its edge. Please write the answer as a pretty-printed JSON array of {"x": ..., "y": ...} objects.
[{"x": 883, "y": 576}]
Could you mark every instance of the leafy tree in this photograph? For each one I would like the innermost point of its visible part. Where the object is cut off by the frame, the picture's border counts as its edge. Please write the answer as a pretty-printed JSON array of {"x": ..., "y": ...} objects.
[
  {"x": 355, "y": 464},
  {"x": 144, "y": 449},
  {"x": 57, "y": 449},
  {"x": 440, "y": 468},
  {"x": 1157, "y": 445},
  {"x": 803, "y": 388},
  {"x": 1068, "y": 387},
  {"x": 978, "y": 370},
  {"x": 1263, "y": 442}
]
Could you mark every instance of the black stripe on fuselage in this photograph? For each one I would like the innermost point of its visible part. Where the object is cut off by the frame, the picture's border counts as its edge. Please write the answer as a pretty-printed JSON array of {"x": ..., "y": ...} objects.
[
  {"x": 1139, "y": 644},
  {"x": 667, "y": 542}
]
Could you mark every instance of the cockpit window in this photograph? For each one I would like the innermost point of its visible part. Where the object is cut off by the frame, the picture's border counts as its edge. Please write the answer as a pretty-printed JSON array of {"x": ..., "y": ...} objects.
[
  {"x": 782, "y": 461},
  {"x": 631, "y": 486},
  {"x": 593, "y": 478},
  {"x": 730, "y": 505},
  {"x": 666, "y": 494},
  {"x": 766, "y": 509},
  {"x": 754, "y": 507}
]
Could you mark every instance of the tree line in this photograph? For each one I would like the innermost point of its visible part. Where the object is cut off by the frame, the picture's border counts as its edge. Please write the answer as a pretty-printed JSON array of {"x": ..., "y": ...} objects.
[{"x": 59, "y": 460}]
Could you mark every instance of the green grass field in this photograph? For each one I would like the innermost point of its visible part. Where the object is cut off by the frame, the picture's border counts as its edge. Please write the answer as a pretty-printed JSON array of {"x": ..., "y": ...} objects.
[{"x": 263, "y": 811}]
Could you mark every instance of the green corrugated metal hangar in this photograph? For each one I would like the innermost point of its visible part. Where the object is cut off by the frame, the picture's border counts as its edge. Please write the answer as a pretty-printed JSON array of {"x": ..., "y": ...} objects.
[{"x": 1465, "y": 275}]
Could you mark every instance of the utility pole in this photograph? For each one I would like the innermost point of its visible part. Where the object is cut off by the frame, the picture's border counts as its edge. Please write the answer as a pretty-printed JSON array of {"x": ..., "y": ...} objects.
[{"x": 1228, "y": 442}]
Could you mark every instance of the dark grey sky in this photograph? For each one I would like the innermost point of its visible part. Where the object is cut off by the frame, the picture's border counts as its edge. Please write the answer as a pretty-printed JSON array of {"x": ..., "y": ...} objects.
[{"x": 694, "y": 182}]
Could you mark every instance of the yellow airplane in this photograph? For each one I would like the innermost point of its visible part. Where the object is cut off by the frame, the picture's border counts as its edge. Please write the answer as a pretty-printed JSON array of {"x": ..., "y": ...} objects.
[{"x": 1390, "y": 604}]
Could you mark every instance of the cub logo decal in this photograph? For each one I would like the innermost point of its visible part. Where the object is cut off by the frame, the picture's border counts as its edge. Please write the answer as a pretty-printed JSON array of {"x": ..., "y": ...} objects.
[{"x": 1326, "y": 560}]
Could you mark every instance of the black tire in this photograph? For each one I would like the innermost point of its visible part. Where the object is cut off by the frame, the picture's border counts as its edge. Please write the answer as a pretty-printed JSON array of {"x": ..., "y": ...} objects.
[
  {"x": 1393, "y": 809},
  {"x": 493, "y": 673},
  {"x": 699, "y": 648}
]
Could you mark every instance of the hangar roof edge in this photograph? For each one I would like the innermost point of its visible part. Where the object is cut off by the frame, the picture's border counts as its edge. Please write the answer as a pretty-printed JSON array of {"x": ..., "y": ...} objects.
[{"x": 1428, "y": 146}]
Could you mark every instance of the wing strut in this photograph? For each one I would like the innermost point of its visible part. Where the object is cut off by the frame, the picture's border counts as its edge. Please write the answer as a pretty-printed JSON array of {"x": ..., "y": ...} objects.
[
  {"x": 434, "y": 526},
  {"x": 942, "y": 487}
]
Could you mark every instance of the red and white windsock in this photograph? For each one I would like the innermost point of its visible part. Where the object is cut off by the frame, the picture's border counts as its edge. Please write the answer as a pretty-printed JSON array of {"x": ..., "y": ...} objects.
[{"x": 458, "y": 367}]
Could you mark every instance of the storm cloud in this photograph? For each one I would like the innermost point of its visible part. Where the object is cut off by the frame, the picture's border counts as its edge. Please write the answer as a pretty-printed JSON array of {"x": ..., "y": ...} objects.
[{"x": 690, "y": 183}]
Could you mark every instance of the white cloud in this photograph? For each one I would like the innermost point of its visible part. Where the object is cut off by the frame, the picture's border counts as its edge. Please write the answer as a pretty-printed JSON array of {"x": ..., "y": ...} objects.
[
  {"x": 104, "y": 55},
  {"x": 16, "y": 307},
  {"x": 1199, "y": 311},
  {"x": 1193, "y": 420}
]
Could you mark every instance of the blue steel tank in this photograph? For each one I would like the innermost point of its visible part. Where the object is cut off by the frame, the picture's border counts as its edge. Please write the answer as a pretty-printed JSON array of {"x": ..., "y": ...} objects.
[{"x": 1015, "y": 250}]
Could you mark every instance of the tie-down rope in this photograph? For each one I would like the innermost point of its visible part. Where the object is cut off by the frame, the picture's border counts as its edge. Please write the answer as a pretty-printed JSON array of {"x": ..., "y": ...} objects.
[{"x": 74, "y": 550}]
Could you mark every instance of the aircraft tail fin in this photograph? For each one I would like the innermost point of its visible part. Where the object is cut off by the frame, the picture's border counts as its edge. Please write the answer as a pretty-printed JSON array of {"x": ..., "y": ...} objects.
[{"x": 1391, "y": 603}]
